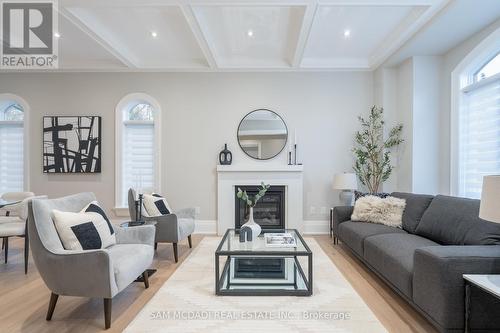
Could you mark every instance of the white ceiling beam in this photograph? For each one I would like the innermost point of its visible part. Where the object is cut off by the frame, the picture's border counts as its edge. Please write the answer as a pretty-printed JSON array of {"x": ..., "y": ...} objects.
[
  {"x": 199, "y": 36},
  {"x": 121, "y": 55},
  {"x": 125, "y": 3},
  {"x": 409, "y": 28},
  {"x": 305, "y": 31},
  {"x": 159, "y": 3}
]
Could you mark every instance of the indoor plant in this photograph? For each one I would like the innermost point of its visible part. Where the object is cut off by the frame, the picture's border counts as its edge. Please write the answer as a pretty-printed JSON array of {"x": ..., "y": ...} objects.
[
  {"x": 251, "y": 202},
  {"x": 373, "y": 151}
]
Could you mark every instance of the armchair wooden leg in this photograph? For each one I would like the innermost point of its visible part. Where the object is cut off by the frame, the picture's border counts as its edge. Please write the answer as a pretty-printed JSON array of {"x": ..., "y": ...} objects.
[
  {"x": 145, "y": 277},
  {"x": 156, "y": 245},
  {"x": 190, "y": 243},
  {"x": 52, "y": 305},
  {"x": 175, "y": 252},
  {"x": 6, "y": 240},
  {"x": 107, "y": 313},
  {"x": 3, "y": 243},
  {"x": 26, "y": 253}
]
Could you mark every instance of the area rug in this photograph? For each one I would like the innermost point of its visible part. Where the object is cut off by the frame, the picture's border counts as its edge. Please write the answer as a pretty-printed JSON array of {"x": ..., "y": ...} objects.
[{"x": 187, "y": 302}]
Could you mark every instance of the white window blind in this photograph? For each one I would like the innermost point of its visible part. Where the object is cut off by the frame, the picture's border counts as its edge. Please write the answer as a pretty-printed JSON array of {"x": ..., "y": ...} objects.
[
  {"x": 138, "y": 157},
  {"x": 11, "y": 156},
  {"x": 479, "y": 133}
]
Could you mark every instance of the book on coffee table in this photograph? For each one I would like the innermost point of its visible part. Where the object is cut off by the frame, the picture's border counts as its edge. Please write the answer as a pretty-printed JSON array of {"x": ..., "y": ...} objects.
[{"x": 280, "y": 240}]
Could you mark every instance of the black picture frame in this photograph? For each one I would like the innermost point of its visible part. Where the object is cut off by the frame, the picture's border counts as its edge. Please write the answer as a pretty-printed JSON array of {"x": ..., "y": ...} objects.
[{"x": 71, "y": 144}]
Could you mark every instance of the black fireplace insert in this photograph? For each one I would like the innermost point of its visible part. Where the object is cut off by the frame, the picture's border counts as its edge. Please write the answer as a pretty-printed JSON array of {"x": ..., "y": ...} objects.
[{"x": 269, "y": 212}]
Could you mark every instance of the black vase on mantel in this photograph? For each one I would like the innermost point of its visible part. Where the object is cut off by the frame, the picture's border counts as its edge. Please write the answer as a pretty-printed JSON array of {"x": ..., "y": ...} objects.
[{"x": 225, "y": 156}]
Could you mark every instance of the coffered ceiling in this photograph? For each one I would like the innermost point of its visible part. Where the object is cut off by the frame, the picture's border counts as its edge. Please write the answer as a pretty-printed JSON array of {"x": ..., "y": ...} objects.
[{"x": 232, "y": 35}]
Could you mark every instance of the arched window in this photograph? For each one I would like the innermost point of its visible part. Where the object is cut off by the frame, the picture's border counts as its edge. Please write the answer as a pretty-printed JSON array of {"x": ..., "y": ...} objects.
[
  {"x": 12, "y": 166},
  {"x": 479, "y": 123},
  {"x": 138, "y": 146}
]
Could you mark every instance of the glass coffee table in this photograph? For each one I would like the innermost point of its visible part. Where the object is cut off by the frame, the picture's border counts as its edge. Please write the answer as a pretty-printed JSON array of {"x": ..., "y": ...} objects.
[{"x": 254, "y": 269}]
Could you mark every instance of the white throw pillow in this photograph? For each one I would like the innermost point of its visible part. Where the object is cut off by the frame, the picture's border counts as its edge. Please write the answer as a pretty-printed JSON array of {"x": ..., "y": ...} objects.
[
  {"x": 156, "y": 205},
  {"x": 387, "y": 211},
  {"x": 89, "y": 229}
]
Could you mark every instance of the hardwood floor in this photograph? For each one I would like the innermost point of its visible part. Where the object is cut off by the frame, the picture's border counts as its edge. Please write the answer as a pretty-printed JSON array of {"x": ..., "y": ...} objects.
[{"x": 24, "y": 298}]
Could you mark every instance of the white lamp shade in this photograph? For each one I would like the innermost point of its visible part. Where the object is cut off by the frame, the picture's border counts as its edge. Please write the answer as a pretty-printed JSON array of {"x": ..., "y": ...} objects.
[
  {"x": 345, "y": 181},
  {"x": 490, "y": 199}
]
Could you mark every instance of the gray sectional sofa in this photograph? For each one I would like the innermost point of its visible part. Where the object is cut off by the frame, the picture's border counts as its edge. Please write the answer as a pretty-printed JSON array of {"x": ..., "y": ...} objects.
[{"x": 441, "y": 239}]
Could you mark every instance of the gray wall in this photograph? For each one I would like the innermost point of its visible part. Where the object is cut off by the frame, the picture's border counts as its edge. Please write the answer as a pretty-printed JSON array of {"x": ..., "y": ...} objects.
[{"x": 201, "y": 111}]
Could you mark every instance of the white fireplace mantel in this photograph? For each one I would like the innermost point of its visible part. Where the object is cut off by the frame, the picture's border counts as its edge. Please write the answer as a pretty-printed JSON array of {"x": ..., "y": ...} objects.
[
  {"x": 230, "y": 176},
  {"x": 260, "y": 168}
]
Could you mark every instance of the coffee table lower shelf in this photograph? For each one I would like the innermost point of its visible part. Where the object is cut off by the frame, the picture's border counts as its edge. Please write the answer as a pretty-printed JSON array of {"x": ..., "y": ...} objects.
[{"x": 290, "y": 281}]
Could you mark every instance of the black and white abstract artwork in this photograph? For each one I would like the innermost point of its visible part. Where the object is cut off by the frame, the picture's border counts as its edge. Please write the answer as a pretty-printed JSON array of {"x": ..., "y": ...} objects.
[{"x": 72, "y": 144}]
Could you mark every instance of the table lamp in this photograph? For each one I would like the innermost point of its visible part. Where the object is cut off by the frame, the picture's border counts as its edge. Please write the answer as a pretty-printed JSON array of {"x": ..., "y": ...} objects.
[
  {"x": 346, "y": 182},
  {"x": 490, "y": 199}
]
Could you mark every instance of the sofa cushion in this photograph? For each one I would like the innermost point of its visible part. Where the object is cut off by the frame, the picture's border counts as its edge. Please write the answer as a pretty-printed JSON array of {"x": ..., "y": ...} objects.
[
  {"x": 354, "y": 233},
  {"x": 416, "y": 205},
  {"x": 455, "y": 221},
  {"x": 392, "y": 256},
  {"x": 129, "y": 261}
]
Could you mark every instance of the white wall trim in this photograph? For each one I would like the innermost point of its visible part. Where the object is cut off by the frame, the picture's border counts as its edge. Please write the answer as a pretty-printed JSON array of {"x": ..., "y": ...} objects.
[
  {"x": 206, "y": 227},
  {"x": 316, "y": 227},
  {"x": 121, "y": 212},
  {"x": 474, "y": 59},
  {"x": 26, "y": 137},
  {"x": 126, "y": 102},
  {"x": 311, "y": 227}
]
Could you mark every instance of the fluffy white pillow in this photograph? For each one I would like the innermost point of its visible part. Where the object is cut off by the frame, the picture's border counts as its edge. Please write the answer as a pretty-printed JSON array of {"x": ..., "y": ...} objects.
[
  {"x": 387, "y": 211},
  {"x": 89, "y": 229},
  {"x": 156, "y": 205}
]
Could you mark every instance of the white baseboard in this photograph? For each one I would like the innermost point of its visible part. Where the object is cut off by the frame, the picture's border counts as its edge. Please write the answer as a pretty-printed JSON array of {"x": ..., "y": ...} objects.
[
  {"x": 311, "y": 227},
  {"x": 316, "y": 227},
  {"x": 207, "y": 227}
]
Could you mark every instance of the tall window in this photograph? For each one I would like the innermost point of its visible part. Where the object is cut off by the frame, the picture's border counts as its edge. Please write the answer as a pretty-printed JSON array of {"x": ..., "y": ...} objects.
[
  {"x": 138, "y": 146},
  {"x": 479, "y": 127},
  {"x": 11, "y": 147}
]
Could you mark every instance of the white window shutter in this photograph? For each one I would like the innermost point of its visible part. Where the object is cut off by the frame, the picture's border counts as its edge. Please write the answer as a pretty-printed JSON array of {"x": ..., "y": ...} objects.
[
  {"x": 138, "y": 158},
  {"x": 11, "y": 157},
  {"x": 479, "y": 134}
]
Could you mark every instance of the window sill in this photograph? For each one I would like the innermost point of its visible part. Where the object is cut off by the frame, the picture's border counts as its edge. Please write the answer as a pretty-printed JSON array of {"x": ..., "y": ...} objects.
[{"x": 121, "y": 212}]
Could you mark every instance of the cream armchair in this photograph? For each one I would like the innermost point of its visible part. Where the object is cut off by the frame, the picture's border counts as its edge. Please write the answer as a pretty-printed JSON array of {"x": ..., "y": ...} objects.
[
  {"x": 16, "y": 226},
  {"x": 14, "y": 209}
]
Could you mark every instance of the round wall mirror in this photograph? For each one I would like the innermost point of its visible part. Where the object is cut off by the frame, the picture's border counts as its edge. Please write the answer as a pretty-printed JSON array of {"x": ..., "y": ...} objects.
[{"x": 262, "y": 134}]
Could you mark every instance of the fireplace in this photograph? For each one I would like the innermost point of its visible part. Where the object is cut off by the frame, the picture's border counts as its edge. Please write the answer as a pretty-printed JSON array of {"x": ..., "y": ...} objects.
[{"x": 269, "y": 212}]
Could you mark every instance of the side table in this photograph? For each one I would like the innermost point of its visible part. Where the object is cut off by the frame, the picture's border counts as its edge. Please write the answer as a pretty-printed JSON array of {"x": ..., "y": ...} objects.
[
  {"x": 332, "y": 233},
  {"x": 489, "y": 283}
]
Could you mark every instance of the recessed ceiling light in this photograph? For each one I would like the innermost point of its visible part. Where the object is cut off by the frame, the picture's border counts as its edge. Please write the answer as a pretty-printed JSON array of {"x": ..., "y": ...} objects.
[
  {"x": 154, "y": 34},
  {"x": 250, "y": 33},
  {"x": 347, "y": 33},
  {"x": 57, "y": 35}
]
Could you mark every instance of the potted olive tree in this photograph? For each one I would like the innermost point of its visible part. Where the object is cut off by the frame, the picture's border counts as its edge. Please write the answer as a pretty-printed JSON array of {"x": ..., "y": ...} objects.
[{"x": 373, "y": 151}]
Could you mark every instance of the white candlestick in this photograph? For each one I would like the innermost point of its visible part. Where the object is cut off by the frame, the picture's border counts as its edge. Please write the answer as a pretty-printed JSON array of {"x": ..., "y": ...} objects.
[{"x": 295, "y": 139}]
